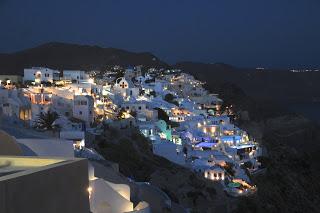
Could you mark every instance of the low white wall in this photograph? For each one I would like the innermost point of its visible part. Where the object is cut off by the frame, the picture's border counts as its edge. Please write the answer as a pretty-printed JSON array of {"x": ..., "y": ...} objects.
[{"x": 104, "y": 198}]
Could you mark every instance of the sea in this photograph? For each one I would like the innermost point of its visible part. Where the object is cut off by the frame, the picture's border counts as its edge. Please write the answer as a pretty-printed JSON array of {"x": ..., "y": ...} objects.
[{"x": 309, "y": 110}]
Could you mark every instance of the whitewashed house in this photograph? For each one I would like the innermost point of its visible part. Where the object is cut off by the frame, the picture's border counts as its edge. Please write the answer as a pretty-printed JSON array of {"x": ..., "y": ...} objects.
[
  {"x": 41, "y": 74},
  {"x": 105, "y": 196},
  {"x": 136, "y": 106},
  {"x": 13, "y": 104},
  {"x": 148, "y": 129},
  {"x": 126, "y": 88},
  {"x": 214, "y": 173},
  {"x": 41, "y": 101},
  {"x": 62, "y": 105},
  {"x": 131, "y": 72},
  {"x": 83, "y": 108},
  {"x": 76, "y": 76}
]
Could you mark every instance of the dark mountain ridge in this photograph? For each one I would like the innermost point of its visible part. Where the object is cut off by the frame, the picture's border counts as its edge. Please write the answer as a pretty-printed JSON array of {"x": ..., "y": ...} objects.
[{"x": 71, "y": 56}]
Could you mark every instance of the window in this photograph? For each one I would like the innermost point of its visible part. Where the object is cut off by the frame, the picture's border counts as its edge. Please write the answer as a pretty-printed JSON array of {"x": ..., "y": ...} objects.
[
  {"x": 139, "y": 107},
  {"x": 80, "y": 112}
]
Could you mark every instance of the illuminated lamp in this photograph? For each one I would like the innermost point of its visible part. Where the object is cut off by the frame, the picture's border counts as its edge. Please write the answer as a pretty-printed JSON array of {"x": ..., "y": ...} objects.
[{"x": 90, "y": 191}]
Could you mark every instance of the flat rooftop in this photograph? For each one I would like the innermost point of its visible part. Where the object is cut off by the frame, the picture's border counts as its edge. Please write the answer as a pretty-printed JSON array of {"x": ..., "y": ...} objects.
[{"x": 13, "y": 166}]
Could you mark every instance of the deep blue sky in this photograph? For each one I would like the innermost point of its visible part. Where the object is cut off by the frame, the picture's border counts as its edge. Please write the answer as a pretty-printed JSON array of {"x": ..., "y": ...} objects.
[{"x": 270, "y": 33}]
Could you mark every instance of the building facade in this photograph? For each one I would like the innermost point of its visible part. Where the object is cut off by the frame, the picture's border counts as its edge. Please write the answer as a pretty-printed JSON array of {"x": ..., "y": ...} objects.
[{"x": 40, "y": 74}]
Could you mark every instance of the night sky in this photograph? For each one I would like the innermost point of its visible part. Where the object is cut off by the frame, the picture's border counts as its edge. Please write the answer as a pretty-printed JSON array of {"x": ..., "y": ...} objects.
[{"x": 247, "y": 33}]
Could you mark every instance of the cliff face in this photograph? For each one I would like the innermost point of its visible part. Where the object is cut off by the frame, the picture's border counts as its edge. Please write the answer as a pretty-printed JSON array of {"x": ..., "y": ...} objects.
[{"x": 291, "y": 180}]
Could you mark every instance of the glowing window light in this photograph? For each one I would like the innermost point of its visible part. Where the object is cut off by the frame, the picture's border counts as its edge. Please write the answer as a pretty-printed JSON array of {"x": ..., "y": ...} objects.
[{"x": 91, "y": 80}]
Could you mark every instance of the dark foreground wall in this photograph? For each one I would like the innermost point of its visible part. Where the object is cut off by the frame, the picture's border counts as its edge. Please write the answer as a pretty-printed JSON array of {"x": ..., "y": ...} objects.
[{"x": 59, "y": 188}]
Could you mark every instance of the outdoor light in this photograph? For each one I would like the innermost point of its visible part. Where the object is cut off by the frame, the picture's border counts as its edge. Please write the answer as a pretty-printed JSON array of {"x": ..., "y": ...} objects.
[
  {"x": 90, "y": 191},
  {"x": 91, "y": 80}
]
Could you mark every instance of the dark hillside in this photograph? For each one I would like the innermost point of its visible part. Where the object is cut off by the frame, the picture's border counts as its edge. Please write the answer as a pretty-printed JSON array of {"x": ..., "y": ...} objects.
[
  {"x": 136, "y": 160},
  {"x": 70, "y": 56}
]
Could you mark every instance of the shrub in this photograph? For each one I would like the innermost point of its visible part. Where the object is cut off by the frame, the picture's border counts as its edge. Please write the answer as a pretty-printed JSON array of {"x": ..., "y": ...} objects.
[
  {"x": 170, "y": 99},
  {"x": 153, "y": 93},
  {"x": 45, "y": 120}
]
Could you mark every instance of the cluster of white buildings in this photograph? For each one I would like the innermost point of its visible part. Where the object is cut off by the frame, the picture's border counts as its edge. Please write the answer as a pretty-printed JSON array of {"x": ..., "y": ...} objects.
[
  {"x": 183, "y": 121},
  {"x": 185, "y": 124},
  {"x": 194, "y": 132}
]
